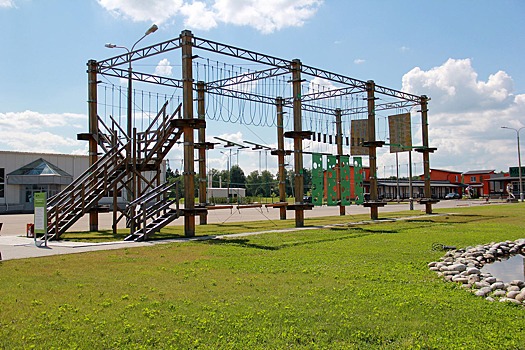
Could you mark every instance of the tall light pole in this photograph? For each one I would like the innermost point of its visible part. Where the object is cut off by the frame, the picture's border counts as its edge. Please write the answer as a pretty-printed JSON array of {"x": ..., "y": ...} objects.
[
  {"x": 129, "y": 130},
  {"x": 519, "y": 157},
  {"x": 150, "y": 30}
]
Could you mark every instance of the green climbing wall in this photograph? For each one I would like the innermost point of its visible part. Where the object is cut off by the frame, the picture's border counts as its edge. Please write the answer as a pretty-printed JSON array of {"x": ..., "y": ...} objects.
[
  {"x": 345, "y": 180},
  {"x": 331, "y": 180}
]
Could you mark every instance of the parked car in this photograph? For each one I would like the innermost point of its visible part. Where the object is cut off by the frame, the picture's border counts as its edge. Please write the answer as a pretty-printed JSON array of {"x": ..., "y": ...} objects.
[{"x": 453, "y": 195}]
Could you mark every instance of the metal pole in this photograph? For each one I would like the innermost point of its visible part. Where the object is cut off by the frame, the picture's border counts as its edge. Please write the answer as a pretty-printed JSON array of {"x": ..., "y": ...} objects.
[
  {"x": 519, "y": 165},
  {"x": 410, "y": 194},
  {"x": 397, "y": 177}
]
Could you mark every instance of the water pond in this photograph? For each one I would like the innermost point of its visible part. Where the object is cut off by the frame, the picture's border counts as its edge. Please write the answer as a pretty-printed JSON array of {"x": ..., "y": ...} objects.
[{"x": 507, "y": 270}]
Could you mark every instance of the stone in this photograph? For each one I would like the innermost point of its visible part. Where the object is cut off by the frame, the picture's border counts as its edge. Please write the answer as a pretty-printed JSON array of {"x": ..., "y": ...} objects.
[
  {"x": 508, "y": 300},
  {"x": 483, "y": 291},
  {"x": 499, "y": 293},
  {"x": 497, "y": 285},
  {"x": 490, "y": 280},
  {"x": 457, "y": 267},
  {"x": 512, "y": 294},
  {"x": 473, "y": 271}
]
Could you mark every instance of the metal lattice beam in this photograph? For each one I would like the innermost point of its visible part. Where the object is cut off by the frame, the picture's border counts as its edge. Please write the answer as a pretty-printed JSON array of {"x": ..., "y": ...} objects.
[
  {"x": 247, "y": 78},
  {"x": 233, "y": 51},
  {"x": 380, "y": 107},
  {"x": 139, "y": 54}
]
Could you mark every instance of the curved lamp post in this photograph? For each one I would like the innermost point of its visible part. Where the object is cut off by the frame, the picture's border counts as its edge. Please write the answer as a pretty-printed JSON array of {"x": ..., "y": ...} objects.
[
  {"x": 519, "y": 157},
  {"x": 129, "y": 130},
  {"x": 151, "y": 30}
]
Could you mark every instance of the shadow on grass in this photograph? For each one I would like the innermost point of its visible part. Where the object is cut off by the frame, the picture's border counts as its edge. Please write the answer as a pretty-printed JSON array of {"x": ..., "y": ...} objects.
[
  {"x": 246, "y": 243},
  {"x": 457, "y": 219}
]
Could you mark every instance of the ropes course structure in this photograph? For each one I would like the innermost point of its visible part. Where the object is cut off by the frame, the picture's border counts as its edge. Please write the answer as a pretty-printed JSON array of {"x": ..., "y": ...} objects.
[{"x": 222, "y": 83}]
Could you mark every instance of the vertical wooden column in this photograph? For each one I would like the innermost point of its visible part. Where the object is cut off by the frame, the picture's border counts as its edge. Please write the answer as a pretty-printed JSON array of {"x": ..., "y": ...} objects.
[
  {"x": 339, "y": 142},
  {"x": 280, "y": 156},
  {"x": 372, "y": 152},
  {"x": 201, "y": 111},
  {"x": 93, "y": 128},
  {"x": 187, "y": 111},
  {"x": 426, "y": 153},
  {"x": 298, "y": 143}
]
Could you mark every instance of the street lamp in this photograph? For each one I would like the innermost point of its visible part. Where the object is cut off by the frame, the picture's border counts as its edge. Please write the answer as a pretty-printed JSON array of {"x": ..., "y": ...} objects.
[
  {"x": 519, "y": 157},
  {"x": 150, "y": 30},
  {"x": 129, "y": 130}
]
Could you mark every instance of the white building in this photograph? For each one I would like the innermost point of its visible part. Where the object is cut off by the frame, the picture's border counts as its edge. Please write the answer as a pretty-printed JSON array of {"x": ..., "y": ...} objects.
[{"x": 24, "y": 173}]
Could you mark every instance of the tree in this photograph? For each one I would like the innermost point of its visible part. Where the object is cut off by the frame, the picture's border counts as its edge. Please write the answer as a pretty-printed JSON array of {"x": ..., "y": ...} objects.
[
  {"x": 237, "y": 179},
  {"x": 253, "y": 181}
]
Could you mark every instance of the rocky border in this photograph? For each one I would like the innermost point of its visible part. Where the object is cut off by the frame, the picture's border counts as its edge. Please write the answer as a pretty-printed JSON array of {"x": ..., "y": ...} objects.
[{"x": 464, "y": 266}]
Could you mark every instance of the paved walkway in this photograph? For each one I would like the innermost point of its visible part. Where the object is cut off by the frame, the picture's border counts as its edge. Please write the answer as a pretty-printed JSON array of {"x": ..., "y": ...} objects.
[{"x": 15, "y": 245}]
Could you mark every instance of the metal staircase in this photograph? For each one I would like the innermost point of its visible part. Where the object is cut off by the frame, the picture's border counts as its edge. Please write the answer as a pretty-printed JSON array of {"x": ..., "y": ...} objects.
[{"x": 152, "y": 211}]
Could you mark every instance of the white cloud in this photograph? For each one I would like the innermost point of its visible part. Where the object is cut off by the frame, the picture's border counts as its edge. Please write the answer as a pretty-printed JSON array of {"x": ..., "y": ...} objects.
[
  {"x": 359, "y": 61},
  {"x": 158, "y": 11},
  {"x": 466, "y": 115},
  {"x": 164, "y": 68},
  {"x": 454, "y": 86},
  {"x": 7, "y": 3},
  {"x": 265, "y": 16},
  {"x": 36, "y": 132},
  {"x": 197, "y": 15},
  {"x": 404, "y": 48}
]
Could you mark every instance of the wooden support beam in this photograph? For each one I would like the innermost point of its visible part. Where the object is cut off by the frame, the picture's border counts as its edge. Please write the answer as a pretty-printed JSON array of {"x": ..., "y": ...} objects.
[
  {"x": 186, "y": 38},
  {"x": 339, "y": 142},
  {"x": 298, "y": 143},
  {"x": 280, "y": 155},
  {"x": 93, "y": 128},
  {"x": 203, "y": 217},
  {"x": 372, "y": 153}
]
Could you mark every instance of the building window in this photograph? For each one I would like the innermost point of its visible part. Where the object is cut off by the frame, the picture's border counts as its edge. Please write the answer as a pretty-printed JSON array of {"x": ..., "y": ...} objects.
[
  {"x": 480, "y": 178},
  {"x": 2, "y": 182},
  {"x": 472, "y": 179},
  {"x": 456, "y": 179}
]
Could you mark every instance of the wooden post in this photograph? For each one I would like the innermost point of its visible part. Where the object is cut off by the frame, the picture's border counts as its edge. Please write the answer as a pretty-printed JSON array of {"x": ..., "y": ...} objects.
[
  {"x": 280, "y": 155},
  {"x": 201, "y": 111},
  {"x": 426, "y": 153},
  {"x": 187, "y": 110},
  {"x": 93, "y": 130},
  {"x": 370, "y": 89},
  {"x": 298, "y": 143},
  {"x": 339, "y": 142}
]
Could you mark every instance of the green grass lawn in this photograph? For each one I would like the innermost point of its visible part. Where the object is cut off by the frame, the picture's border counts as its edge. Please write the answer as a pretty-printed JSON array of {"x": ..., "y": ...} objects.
[{"x": 348, "y": 287}]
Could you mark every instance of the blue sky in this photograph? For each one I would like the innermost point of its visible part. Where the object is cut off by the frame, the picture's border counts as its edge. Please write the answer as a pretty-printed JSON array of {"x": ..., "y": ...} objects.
[{"x": 466, "y": 55}]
